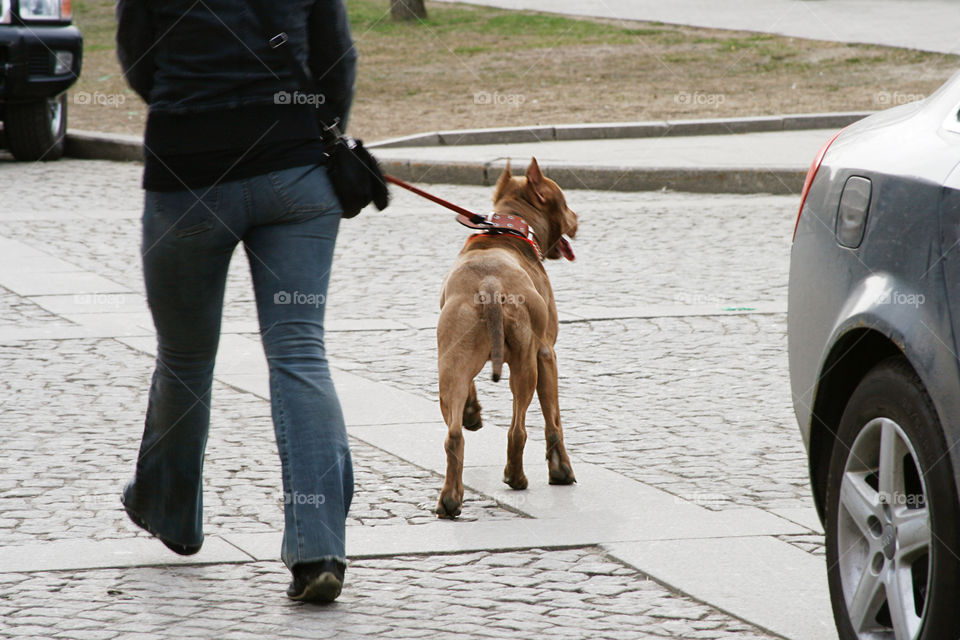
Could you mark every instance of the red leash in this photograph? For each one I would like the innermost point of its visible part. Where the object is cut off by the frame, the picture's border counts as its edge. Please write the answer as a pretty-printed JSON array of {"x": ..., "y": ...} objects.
[{"x": 475, "y": 218}]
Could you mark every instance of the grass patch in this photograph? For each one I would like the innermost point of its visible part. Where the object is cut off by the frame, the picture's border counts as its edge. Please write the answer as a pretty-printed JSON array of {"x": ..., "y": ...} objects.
[
  {"x": 544, "y": 69},
  {"x": 97, "y": 24}
]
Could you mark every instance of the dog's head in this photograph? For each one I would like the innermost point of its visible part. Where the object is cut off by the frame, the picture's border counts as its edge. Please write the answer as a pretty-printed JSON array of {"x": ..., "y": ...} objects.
[{"x": 541, "y": 203}]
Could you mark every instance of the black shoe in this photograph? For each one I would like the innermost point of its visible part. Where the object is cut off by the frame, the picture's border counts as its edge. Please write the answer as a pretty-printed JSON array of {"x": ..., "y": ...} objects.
[
  {"x": 180, "y": 549},
  {"x": 317, "y": 581}
]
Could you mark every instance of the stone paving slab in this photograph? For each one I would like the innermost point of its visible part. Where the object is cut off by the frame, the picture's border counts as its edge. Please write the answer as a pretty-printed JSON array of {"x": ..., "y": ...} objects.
[
  {"x": 637, "y": 525},
  {"x": 737, "y": 574},
  {"x": 804, "y": 516},
  {"x": 73, "y": 304},
  {"x": 552, "y": 530},
  {"x": 535, "y": 594},
  {"x": 27, "y": 283},
  {"x": 91, "y": 554}
]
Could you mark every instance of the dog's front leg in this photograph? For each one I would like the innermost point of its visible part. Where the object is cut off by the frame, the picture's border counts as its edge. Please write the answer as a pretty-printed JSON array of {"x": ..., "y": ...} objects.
[{"x": 558, "y": 462}]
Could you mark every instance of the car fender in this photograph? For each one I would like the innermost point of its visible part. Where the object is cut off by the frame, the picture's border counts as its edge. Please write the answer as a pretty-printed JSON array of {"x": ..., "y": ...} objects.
[{"x": 917, "y": 321}]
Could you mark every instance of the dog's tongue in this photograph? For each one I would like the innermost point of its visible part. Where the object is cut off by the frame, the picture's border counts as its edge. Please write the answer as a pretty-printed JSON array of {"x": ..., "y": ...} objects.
[{"x": 565, "y": 249}]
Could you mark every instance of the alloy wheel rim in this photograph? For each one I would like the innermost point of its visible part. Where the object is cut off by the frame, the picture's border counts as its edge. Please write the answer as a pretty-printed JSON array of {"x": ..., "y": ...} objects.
[{"x": 883, "y": 534}]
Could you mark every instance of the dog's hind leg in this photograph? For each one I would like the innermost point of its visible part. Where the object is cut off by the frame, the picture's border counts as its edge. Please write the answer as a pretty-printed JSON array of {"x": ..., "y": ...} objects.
[
  {"x": 453, "y": 398},
  {"x": 472, "y": 420},
  {"x": 558, "y": 462},
  {"x": 460, "y": 357},
  {"x": 523, "y": 382}
]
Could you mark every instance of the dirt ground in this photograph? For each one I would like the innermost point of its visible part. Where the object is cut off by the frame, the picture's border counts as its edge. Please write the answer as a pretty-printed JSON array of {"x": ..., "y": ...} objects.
[{"x": 478, "y": 67}]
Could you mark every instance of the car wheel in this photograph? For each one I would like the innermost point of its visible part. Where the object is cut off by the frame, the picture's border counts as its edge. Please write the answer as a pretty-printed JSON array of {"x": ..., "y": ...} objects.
[
  {"x": 892, "y": 514},
  {"x": 37, "y": 130}
]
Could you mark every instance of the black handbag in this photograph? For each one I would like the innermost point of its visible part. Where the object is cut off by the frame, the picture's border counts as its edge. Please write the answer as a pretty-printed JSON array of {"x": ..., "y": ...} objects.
[{"x": 354, "y": 173}]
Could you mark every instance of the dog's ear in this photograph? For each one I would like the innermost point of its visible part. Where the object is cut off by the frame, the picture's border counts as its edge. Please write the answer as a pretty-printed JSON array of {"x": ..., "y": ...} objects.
[
  {"x": 535, "y": 180},
  {"x": 569, "y": 222},
  {"x": 502, "y": 182}
]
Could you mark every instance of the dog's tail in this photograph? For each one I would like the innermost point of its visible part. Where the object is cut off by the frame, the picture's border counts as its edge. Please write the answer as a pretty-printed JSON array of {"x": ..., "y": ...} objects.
[{"x": 493, "y": 313}]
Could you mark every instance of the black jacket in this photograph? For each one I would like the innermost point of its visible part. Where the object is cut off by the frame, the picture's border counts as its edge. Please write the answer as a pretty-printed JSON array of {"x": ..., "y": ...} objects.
[
  {"x": 216, "y": 89},
  {"x": 183, "y": 55}
]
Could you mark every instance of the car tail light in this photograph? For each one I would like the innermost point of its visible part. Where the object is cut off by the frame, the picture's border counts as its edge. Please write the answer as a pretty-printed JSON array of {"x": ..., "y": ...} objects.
[
  {"x": 811, "y": 174},
  {"x": 66, "y": 10}
]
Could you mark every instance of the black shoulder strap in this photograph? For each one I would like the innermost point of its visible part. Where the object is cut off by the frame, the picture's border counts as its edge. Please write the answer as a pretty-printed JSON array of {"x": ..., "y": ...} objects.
[{"x": 277, "y": 39}]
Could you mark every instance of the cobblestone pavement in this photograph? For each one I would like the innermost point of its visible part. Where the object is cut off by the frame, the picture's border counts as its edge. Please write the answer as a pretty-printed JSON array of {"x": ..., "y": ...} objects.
[
  {"x": 94, "y": 187},
  {"x": 698, "y": 406},
  {"x": 687, "y": 250},
  {"x": 72, "y": 418},
  {"x": 18, "y": 312},
  {"x": 530, "y": 594},
  {"x": 679, "y": 403}
]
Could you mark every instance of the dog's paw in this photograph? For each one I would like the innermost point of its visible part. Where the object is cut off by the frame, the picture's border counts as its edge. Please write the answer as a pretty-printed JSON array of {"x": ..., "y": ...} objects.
[
  {"x": 472, "y": 419},
  {"x": 515, "y": 482},
  {"x": 562, "y": 474},
  {"x": 448, "y": 507}
]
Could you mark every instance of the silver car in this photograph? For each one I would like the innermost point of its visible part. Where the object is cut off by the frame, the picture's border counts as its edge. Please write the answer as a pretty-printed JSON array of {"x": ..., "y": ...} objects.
[{"x": 874, "y": 329}]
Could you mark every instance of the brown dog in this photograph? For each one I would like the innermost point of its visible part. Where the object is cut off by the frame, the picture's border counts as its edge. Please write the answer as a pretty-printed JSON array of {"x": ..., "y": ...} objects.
[{"x": 497, "y": 305}]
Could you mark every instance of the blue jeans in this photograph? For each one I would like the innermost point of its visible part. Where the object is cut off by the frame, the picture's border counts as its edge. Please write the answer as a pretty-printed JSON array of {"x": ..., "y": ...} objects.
[{"x": 288, "y": 222}]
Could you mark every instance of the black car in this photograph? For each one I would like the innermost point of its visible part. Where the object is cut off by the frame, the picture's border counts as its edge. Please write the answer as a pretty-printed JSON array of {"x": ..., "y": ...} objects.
[
  {"x": 40, "y": 56},
  {"x": 874, "y": 337}
]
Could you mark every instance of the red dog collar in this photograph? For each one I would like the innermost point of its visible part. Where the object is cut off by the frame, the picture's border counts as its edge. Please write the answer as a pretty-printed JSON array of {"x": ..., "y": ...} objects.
[
  {"x": 506, "y": 224},
  {"x": 503, "y": 224},
  {"x": 507, "y": 234}
]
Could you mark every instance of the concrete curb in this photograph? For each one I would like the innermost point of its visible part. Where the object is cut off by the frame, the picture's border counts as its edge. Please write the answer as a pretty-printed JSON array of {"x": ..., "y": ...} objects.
[
  {"x": 748, "y": 180},
  {"x": 615, "y": 130},
  {"x": 693, "y": 180},
  {"x": 91, "y": 145}
]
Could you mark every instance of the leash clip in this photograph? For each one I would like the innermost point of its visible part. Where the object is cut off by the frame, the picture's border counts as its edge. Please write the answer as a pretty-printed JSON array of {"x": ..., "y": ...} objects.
[{"x": 278, "y": 40}]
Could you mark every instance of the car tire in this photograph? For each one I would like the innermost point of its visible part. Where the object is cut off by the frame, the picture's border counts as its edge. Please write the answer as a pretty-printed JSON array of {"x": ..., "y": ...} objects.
[
  {"x": 892, "y": 521},
  {"x": 37, "y": 130}
]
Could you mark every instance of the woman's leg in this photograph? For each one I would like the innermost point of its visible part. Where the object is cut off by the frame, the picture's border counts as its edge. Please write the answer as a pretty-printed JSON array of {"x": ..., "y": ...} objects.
[
  {"x": 290, "y": 255},
  {"x": 187, "y": 244}
]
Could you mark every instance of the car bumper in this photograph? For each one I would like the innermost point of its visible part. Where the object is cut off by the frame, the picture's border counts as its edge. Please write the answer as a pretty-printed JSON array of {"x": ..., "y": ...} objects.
[{"x": 27, "y": 61}]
